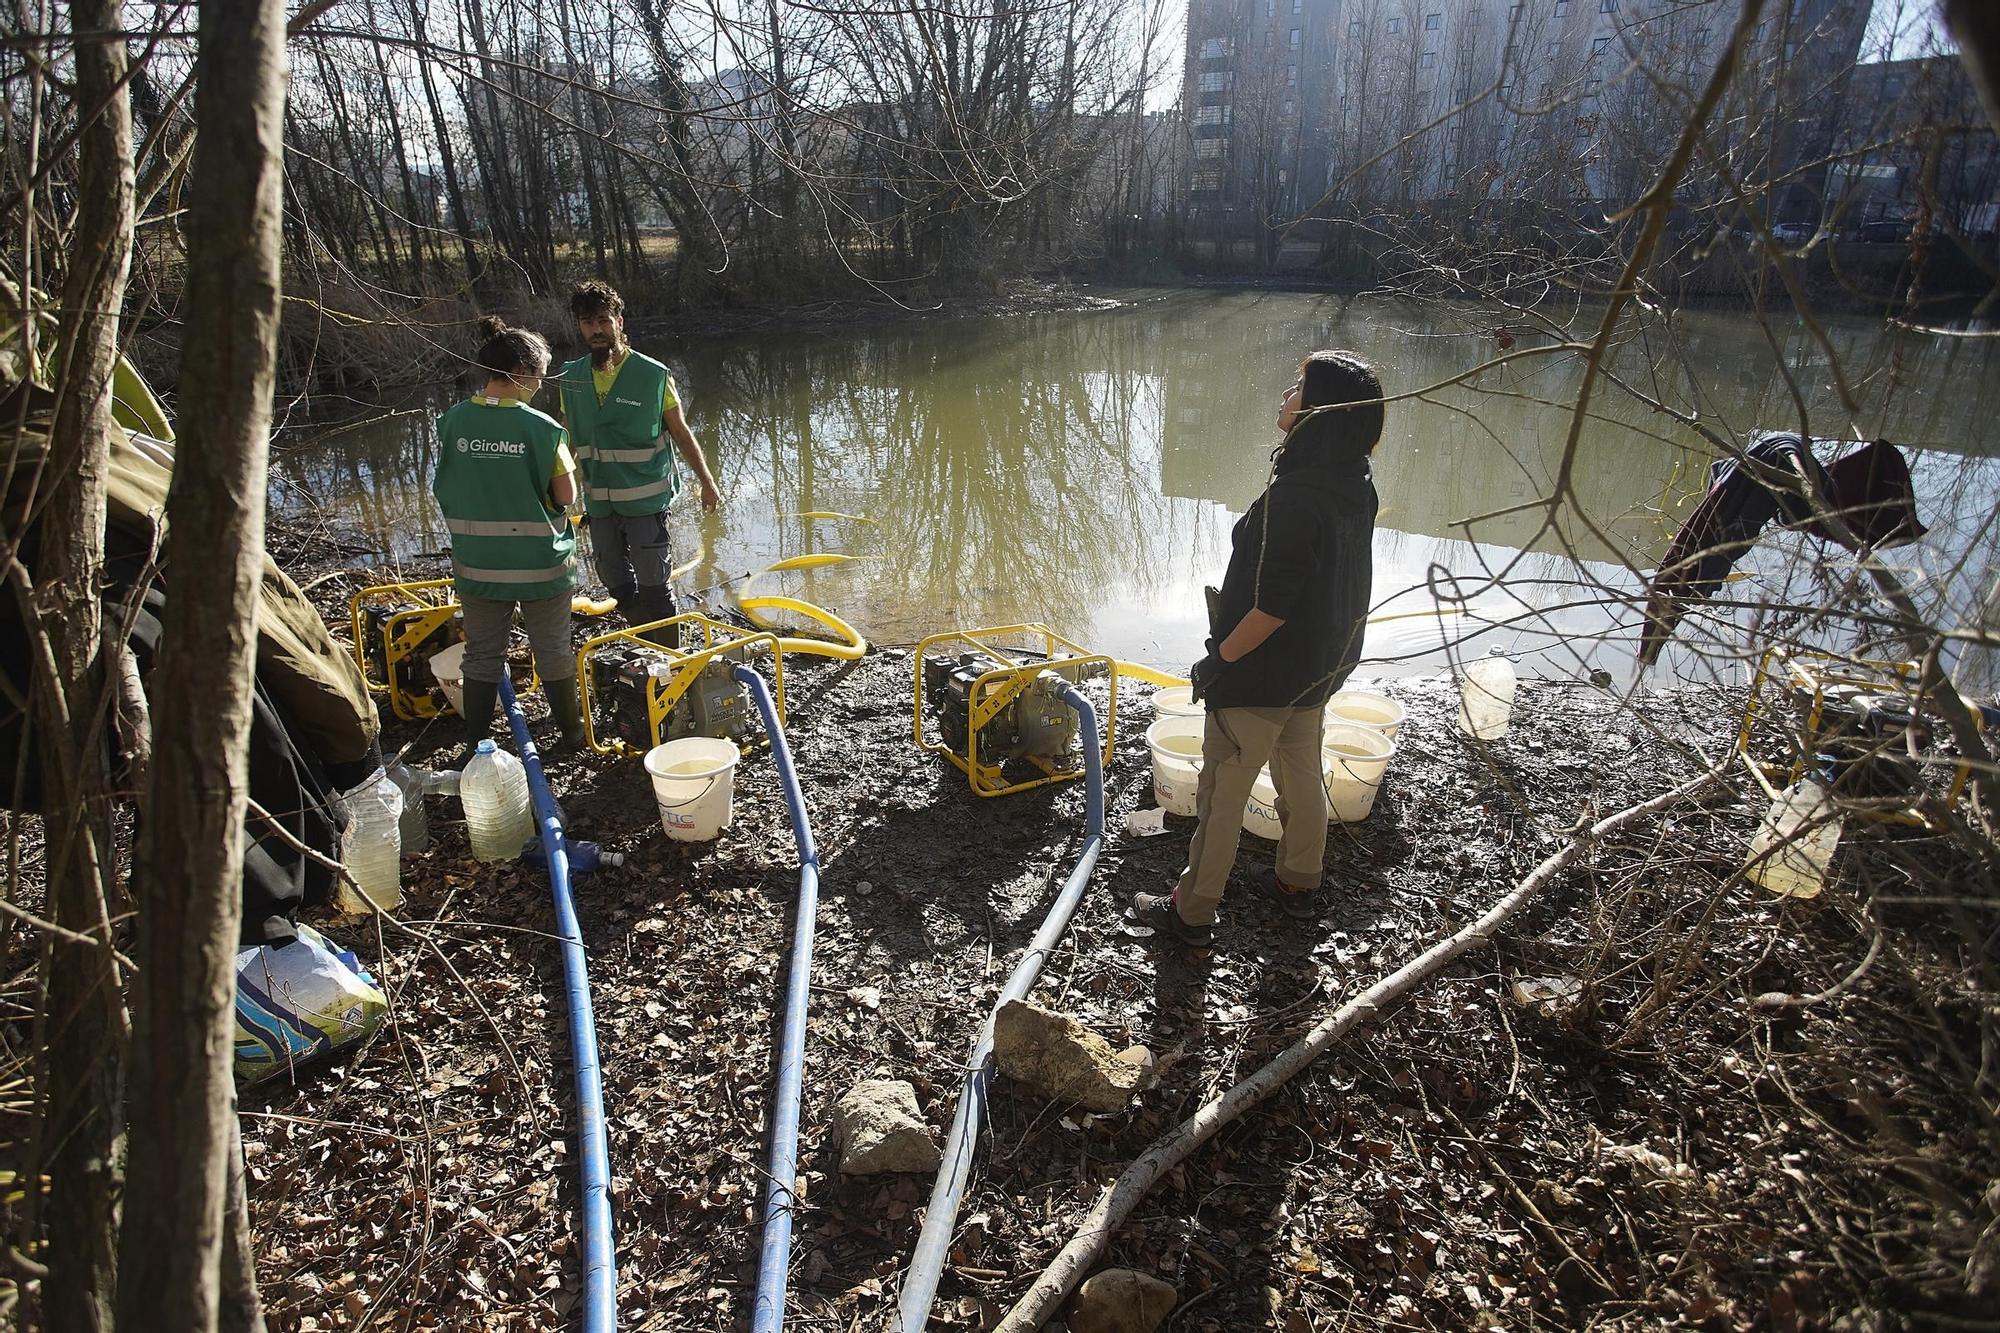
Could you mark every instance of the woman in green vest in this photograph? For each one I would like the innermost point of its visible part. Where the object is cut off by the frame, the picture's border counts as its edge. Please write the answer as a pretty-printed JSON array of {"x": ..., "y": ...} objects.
[{"x": 505, "y": 482}]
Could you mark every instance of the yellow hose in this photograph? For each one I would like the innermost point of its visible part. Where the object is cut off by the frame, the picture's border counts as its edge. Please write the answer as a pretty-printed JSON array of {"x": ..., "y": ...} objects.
[
  {"x": 853, "y": 647},
  {"x": 834, "y": 513}
]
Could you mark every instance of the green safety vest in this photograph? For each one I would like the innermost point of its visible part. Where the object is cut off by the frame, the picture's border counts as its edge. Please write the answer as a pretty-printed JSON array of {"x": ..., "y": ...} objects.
[
  {"x": 496, "y": 458},
  {"x": 622, "y": 443}
]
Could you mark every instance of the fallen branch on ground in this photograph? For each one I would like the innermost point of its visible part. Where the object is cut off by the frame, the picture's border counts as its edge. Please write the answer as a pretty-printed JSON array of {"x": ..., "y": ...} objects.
[{"x": 1038, "y": 1305}]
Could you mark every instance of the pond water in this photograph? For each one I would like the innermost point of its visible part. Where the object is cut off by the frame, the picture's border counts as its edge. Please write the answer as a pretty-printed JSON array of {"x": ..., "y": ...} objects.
[{"x": 1084, "y": 469}]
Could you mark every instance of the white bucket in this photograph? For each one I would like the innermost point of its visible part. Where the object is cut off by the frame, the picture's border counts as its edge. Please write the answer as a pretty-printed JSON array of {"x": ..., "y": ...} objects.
[
  {"x": 694, "y": 782},
  {"x": 448, "y": 667},
  {"x": 1260, "y": 812},
  {"x": 1355, "y": 759},
  {"x": 1365, "y": 708},
  {"x": 1176, "y": 746},
  {"x": 1176, "y": 701}
]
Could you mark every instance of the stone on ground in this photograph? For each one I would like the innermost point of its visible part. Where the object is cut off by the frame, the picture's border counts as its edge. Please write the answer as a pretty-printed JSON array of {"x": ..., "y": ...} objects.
[
  {"x": 880, "y": 1129},
  {"x": 1061, "y": 1059},
  {"x": 1121, "y": 1300}
]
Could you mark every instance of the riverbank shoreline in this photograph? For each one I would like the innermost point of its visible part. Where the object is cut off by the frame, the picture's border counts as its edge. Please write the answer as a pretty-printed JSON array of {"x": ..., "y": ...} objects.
[{"x": 1654, "y": 1156}]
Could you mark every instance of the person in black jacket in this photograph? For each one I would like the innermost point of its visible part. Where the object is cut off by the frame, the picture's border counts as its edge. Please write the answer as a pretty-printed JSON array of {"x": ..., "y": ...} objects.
[{"x": 1285, "y": 631}]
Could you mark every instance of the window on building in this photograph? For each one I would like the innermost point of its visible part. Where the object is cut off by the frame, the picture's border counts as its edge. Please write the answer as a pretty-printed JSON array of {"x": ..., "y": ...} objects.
[
  {"x": 1215, "y": 81},
  {"x": 1291, "y": 76},
  {"x": 1395, "y": 25},
  {"x": 1298, "y": 36},
  {"x": 1354, "y": 27},
  {"x": 1429, "y": 60},
  {"x": 1762, "y": 28},
  {"x": 1216, "y": 47},
  {"x": 1270, "y": 8},
  {"x": 1206, "y": 178},
  {"x": 1291, "y": 108},
  {"x": 1598, "y": 45},
  {"x": 1701, "y": 36},
  {"x": 1208, "y": 115},
  {"x": 1208, "y": 147},
  {"x": 1432, "y": 22},
  {"x": 1514, "y": 11},
  {"x": 1562, "y": 8},
  {"x": 1607, "y": 6},
  {"x": 1592, "y": 88},
  {"x": 1549, "y": 47},
  {"x": 1298, "y": 6}
]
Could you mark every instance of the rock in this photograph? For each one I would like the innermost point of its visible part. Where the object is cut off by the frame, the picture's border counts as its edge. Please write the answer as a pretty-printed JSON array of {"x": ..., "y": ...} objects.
[
  {"x": 1121, "y": 1300},
  {"x": 1061, "y": 1059},
  {"x": 880, "y": 1129}
]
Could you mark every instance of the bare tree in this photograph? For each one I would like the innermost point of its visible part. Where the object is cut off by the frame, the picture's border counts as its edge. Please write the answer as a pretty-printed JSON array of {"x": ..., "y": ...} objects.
[{"x": 190, "y": 860}]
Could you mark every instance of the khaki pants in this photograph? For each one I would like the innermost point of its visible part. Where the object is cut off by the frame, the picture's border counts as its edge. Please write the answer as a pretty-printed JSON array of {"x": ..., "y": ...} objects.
[
  {"x": 487, "y": 624},
  {"x": 1235, "y": 745}
]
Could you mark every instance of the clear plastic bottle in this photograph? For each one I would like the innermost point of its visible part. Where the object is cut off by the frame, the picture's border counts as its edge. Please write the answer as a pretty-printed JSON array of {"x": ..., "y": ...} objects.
[
  {"x": 1486, "y": 696},
  {"x": 369, "y": 847},
  {"x": 415, "y": 825},
  {"x": 494, "y": 788},
  {"x": 1803, "y": 824},
  {"x": 440, "y": 782}
]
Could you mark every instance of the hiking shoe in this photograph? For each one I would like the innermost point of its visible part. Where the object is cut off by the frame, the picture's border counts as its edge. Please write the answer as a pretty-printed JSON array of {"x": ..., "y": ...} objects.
[
  {"x": 1158, "y": 912},
  {"x": 1298, "y": 904}
]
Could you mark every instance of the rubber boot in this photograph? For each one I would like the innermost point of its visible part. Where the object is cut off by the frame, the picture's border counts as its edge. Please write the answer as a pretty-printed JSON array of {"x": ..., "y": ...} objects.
[
  {"x": 480, "y": 698},
  {"x": 650, "y": 604},
  {"x": 565, "y": 708}
]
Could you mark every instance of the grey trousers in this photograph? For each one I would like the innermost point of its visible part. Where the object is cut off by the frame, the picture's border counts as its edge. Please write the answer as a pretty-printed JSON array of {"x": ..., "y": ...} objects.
[
  {"x": 631, "y": 550},
  {"x": 486, "y": 625},
  {"x": 1235, "y": 745}
]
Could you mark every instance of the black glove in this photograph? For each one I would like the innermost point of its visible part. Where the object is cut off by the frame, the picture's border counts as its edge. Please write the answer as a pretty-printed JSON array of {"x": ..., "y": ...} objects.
[{"x": 1202, "y": 675}]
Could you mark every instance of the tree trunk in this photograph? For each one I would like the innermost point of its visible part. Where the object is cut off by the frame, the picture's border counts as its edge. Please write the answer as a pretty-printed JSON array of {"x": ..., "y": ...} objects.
[
  {"x": 191, "y": 850},
  {"x": 79, "y": 1139}
]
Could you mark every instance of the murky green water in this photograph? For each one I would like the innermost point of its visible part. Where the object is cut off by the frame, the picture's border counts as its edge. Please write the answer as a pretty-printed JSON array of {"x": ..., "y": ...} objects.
[{"x": 1084, "y": 469}]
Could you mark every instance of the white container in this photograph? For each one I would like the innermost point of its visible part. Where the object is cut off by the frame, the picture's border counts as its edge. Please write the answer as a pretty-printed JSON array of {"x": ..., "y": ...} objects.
[
  {"x": 1260, "y": 812},
  {"x": 1176, "y": 701},
  {"x": 370, "y": 846},
  {"x": 1486, "y": 697},
  {"x": 494, "y": 790},
  {"x": 1365, "y": 708},
  {"x": 448, "y": 669},
  {"x": 694, "y": 782},
  {"x": 1176, "y": 746},
  {"x": 1803, "y": 825},
  {"x": 1356, "y": 760}
]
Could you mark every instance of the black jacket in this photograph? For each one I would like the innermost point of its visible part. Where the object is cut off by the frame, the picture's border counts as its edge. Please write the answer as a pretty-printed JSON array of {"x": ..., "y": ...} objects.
[{"x": 1303, "y": 553}]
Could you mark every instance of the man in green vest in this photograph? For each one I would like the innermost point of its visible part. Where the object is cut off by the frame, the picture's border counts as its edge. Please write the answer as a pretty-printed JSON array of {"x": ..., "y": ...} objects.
[{"x": 622, "y": 412}]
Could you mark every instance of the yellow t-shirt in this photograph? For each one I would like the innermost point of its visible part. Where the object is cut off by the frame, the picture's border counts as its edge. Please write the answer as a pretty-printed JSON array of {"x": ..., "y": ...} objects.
[{"x": 601, "y": 379}]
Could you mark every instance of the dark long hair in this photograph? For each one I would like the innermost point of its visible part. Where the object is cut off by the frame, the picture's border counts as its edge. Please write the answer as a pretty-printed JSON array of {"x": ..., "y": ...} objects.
[{"x": 1340, "y": 407}]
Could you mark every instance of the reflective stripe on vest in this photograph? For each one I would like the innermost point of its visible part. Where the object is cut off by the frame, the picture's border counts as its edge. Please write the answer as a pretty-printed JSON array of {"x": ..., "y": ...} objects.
[
  {"x": 493, "y": 527},
  {"x": 616, "y": 493},
  {"x": 464, "y": 571},
  {"x": 646, "y": 455}
]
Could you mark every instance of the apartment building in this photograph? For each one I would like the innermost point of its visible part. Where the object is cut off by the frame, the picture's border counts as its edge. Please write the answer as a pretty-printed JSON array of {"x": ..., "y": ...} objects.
[{"x": 1320, "y": 107}]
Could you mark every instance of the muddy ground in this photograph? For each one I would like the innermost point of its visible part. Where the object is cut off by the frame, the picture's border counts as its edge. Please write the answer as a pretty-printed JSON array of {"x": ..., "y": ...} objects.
[{"x": 1665, "y": 1155}]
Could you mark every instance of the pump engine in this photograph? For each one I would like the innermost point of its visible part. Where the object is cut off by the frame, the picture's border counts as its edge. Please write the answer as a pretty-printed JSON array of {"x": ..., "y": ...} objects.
[
  {"x": 999, "y": 713},
  {"x": 398, "y": 628},
  {"x": 629, "y": 688}
]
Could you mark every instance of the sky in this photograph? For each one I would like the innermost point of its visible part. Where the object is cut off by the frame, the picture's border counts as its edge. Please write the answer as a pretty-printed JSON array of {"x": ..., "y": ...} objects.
[{"x": 1901, "y": 29}]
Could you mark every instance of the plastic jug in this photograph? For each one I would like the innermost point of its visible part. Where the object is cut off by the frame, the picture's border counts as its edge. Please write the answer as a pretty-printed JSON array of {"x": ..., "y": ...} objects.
[
  {"x": 494, "y": 789},
  {"x": 1486, "y": 696},
  {"x": 415, "y": 825},
  {"x": 369, "y": 846},
  {"x": 440, "y": 782},
  {"x": 1803, "y": 824}
]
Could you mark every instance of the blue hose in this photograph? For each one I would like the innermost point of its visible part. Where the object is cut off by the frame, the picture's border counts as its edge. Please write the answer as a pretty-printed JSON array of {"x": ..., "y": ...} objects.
[
  {"x": 600, "y": 1261},
  {"x": 780, "y": 1198},
  {"x": 941, "y": 1218}
]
